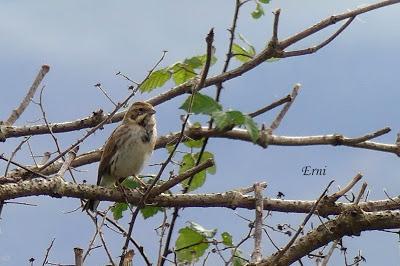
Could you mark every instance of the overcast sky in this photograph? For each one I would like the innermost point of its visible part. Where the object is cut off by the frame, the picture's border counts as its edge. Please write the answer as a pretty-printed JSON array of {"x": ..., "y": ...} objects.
[{"x": 349, "y": 87}]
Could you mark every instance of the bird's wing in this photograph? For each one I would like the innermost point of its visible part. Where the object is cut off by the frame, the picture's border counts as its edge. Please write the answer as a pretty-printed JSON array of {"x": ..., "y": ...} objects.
[{"x": 110, "y": 148}]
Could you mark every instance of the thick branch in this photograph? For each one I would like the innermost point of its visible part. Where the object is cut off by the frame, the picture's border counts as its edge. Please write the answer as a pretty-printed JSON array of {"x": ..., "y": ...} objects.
[
  {"x": 237, "y": 134},
  {"x": 350, "y": 223},
  {"x": 232, "y": 199}
]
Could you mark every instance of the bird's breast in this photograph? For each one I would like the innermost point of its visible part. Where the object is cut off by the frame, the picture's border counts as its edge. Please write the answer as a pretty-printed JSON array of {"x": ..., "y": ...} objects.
[{"x": 131, "y": 155}]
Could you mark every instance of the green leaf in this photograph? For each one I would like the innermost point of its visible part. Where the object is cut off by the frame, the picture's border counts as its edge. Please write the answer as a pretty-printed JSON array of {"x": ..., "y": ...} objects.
[
  {"x": 251, "y": 50},
  {"x": 198, "y": 180},
  {"x": 200, "y": 229},
  {"x": 227, "y": 239},
  {"x": 265, "y": 1},
  {"x": 202, "y": 104},
  {"x": 241, "y": 53},
  {"x": 156, "y": 79},
  {"x": 182, "y": 72},
  {"x": 252, "y": 128},
  {"x": 190, "y": 244},
  {"x": 258, "y": 12},
  {"x": 237, "y": 258},
  {"x": 228, "y": 118},
  {"x": 118, "y": 209},
  {"x": 194, "y": 143},
  {"x": 198, "y": 61},
  {"x": 207, "y": 155},
  {"x": 149, "y": 211},
  {"x": 130, "y": 182},
  {"x": 186, "y": 163},
  {"x": 232, "y": 118}
]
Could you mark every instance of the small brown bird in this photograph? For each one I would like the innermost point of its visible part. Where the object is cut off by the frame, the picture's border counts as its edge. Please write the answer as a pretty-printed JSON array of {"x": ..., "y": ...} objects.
[{"x": 128, "y": 148}]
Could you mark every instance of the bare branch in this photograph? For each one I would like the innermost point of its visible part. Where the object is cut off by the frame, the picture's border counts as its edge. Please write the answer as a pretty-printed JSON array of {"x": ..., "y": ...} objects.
[
  {"x": 48, "y": 252},
  {"x": 16, "y": 113},
  {"x": 179, "y": 178},
  {"x": 301, "y": 227},
  {"x": 275, "y": 28},
  {"x": 332, "y": 20},
  {"x": 271, "y": 106},
  {"x": 314, "y": 49},
  {"x": 275, "y": 124},
  {"x": 350, "y": 223},
  {"x": 256, "y": 256},
  {"x": 335, "y": 196},
  {"x": 361, "y": 193}
]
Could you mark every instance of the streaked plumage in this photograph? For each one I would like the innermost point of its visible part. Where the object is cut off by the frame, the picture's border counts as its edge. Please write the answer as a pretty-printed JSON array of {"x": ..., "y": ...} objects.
[{"x": 128, "y": 148}]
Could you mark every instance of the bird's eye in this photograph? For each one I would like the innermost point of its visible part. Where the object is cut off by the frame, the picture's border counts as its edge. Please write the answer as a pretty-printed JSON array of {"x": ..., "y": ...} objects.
[{"x": 141, "y": 110}]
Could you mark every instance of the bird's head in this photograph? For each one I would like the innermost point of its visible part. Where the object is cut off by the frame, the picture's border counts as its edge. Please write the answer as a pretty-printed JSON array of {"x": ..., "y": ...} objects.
[{"x": 140, "y": 113}]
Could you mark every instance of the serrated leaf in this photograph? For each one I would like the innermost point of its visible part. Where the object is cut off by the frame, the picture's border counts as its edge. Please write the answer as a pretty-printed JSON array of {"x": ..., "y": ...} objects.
[
  {"x": 265, "y": 1},
  {"x": 156, "y": 79},
  {"x": 149, "y": 211},
  {"x": 227, "y": 239},
  {"x": 190, "y": 245},
  {"x": 182, "y": 72},
  {"x": 197, "y": 62},
  {"x": 207, "y": 155},
  {"x": 202, "y": 104},
  {"x": 241, "y": 53},
  {"x": 118, "y": 209},
  {"x": 226, "y": 119},
  {"x": 258, "y": 12},
  {"x": 252, "y": 128},
  {"x": 194, "y": 143}
]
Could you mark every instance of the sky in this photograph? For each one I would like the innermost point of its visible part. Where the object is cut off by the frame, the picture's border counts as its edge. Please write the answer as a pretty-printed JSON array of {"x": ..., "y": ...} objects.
[{"x": 349, "y": 87}]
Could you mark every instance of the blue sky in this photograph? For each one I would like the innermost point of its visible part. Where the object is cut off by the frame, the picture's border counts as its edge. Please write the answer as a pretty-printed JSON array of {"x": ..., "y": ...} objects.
[{"x": 349, "y": 87}]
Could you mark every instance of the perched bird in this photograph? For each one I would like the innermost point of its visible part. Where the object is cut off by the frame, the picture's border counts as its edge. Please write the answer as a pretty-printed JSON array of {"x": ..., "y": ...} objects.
[{"x": 128, "y": 148}]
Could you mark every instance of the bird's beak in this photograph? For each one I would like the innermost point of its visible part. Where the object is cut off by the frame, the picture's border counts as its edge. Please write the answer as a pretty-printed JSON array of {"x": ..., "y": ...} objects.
[{"x": 152, "y": 112}]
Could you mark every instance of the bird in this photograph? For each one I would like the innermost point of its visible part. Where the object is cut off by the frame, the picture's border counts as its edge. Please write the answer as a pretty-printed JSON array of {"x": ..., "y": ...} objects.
[{"x": 127, "y": 149}]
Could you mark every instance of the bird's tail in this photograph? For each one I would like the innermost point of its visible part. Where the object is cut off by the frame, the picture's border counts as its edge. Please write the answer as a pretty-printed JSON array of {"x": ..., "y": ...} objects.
[{"x": 91, "y": 205}]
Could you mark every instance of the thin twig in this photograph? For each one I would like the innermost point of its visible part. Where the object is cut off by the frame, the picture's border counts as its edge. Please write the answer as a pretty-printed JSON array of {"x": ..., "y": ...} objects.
[
  {"x": 14, "y": 153},
  {"x": 2, "y": 157},
  {"x": 181, "y": 177},
  {"x": 271, "y": 106},
  {"x": 16, "y": 113},
  {"x": 361, "y": 193},
  {"x": 68, "y": 160},
  {"x": 276, "y": 23},
  {"x": 134, "y": 242},
  {"x": 329, "y": 254},
  {"x": 321, "y": 45},
  {"x": 275, "y": 124},
  {"x": 48, "y": 252},
  {"x": 301, "y": 227},
  {"x": 335, "y": 196},
  {"x": 98, "y": 85}
]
